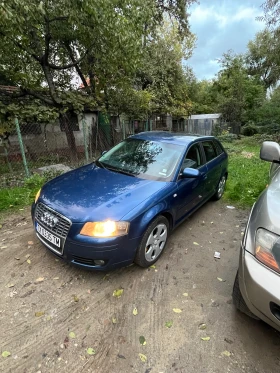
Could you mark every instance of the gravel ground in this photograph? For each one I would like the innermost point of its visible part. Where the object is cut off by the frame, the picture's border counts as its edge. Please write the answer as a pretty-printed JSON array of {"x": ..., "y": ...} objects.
[{"x": 57, "y": 318}]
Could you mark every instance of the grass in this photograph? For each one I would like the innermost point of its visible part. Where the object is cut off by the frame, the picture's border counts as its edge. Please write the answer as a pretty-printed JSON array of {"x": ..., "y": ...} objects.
[
  {"x": 16, "y": 197},
  {"x": 248, "y": 175}
]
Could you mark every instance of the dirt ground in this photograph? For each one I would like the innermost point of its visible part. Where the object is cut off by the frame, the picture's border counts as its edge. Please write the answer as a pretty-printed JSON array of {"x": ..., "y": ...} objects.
[{"x": 44, "y": 302}]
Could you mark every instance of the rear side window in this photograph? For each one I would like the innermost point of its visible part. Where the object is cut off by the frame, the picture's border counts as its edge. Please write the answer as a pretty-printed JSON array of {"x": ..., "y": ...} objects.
[
  {"x": 209, "y": 150},
  {"x": 218, "y": 147}
]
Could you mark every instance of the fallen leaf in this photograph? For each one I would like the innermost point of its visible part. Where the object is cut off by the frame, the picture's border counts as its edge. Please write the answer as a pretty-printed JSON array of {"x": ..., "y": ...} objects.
[
  {"x": 6, "y": 353},
  {"x": 56, "y": 278},
  {"x": 143, "y": 358},
  {"x": 114, "y": 320},
  {"x": 168, "y": 324},
  {"x": 76, "y": 299},
  {"x": 40, "y": 279},
  {"x": 220, "y": 279},
  {"x": 177, "y": 310},
  {"x": 11, "y": 285},
  {"x": 27, "y": 256},
  {"x": 202, "y": 326},
  {"x": 135, "y": 312},
  {"x": 30, "y": 242},
  {"x": 16, "y": 258},
  {"x": 1, "y": 226},
  {"x": 153, "y": 266},
  {"x": 205, "y": 338},
  {"x": 105, "y": 277},
  {"x": 117, "y": 293},
  {"x": 195, "y": 243},
  {"x": 221, "y": 232},
  {"x": 185, "y": 294},
  {"x": 90, "y": 351},
  {"x": 39, "y": 313},
  {"x": 48, "y": 318},
  {"x": 28, "y": 261},
  {"x": 72, "y": 335},
  {"x": 142, "y": 340},
  {"x": 226, "y": 353},
  {"x": 4, "y": 247}
]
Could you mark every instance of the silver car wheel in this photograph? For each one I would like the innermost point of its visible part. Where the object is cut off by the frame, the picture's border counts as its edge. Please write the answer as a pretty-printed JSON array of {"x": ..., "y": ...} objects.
[
  {"x": 156, "y": 242},
  {"x": 221, "y": 186}
]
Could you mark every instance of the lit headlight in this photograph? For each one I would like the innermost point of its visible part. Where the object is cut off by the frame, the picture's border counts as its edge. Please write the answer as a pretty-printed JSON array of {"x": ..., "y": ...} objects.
[
  {"x": 37, "y": 195},
  {"x": 106, "y": 228},
  {"x": 268, "y": 249}
]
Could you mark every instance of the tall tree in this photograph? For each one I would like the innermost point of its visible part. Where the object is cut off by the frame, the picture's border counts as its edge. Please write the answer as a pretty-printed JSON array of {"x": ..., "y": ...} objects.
[
  {"x": 238, "y": 93},
  {"x": 263, "y": 57},
  {"x": 47, "y": 44}
]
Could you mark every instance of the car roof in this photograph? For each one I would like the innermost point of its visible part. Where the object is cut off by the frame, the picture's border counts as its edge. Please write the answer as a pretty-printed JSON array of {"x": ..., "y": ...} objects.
[{"x": 170, "y": 137}]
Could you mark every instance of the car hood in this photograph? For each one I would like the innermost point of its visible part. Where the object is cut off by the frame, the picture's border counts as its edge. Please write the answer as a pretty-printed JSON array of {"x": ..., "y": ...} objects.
[
  {"x": 91, "y": 193},
  {"x": 268, "y": 206}
]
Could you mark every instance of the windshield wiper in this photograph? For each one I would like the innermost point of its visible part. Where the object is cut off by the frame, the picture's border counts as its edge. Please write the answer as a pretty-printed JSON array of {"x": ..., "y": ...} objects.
[{"x": 120, "y": 171}]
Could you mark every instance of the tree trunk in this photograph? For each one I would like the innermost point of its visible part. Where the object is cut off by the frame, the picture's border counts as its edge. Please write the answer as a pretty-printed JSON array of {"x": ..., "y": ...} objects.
[{"x": 64, "y": 121}]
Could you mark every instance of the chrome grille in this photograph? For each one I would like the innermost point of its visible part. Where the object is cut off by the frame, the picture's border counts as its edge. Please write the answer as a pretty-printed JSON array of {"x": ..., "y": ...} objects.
[{"x": 62, "y": 226}]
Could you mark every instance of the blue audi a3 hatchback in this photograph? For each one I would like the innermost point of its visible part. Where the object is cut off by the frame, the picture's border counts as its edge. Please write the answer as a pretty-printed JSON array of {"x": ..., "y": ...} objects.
[{"x": 122, "y": 208}]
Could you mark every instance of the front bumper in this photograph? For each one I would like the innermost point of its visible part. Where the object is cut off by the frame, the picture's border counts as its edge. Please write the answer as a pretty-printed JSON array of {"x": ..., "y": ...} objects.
[
  {"x": 260, "y": 288},
  {"x": 83, "y": 251}
]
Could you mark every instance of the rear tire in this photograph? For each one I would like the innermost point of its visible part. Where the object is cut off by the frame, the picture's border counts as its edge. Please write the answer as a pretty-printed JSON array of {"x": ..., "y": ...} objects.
[
  {"x": 220, "y": 188},
  {"x": 238, "y": 300},
  {"x": 153, "y": 242}
]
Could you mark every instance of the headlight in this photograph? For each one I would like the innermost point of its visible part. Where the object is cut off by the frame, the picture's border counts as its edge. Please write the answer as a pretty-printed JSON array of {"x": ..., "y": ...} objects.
[
  {"x": 37, "y": 195},
  {"x": 106, "y": 228},
  {"x": 268, "y": 249}
]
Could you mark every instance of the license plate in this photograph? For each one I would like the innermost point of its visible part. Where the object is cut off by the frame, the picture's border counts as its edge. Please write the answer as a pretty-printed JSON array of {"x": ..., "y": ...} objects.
[{"x": 48, "y": 235}]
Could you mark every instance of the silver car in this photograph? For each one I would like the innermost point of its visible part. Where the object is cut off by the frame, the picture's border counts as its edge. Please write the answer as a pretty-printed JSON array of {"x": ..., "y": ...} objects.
[{"x": 256, "y": 290}]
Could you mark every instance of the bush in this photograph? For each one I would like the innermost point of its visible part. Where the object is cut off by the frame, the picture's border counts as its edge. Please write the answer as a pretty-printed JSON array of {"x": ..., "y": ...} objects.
[{"x": 249, "y": 130}]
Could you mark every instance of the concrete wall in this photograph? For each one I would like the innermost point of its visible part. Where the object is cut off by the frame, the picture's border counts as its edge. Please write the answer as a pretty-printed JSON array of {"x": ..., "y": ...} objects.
[{"x": 52, "y": 139}]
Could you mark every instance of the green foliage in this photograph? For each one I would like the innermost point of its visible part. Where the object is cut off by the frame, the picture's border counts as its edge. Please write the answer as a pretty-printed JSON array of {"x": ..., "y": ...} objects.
[
  {"x": 248, "y": 175},
  {"x": 105, "y": 43}
]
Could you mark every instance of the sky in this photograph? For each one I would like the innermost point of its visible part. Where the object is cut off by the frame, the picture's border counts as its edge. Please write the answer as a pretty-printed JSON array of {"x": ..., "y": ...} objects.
[{"x": 221, "y": 25}]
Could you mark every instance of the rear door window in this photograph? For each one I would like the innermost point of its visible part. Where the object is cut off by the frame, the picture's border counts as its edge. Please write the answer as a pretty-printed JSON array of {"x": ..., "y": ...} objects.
[{"x": 218, "y": 147}]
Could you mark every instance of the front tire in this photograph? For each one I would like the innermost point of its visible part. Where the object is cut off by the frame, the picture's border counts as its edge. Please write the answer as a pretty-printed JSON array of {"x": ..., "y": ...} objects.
[{"x": 153, "y": 242}]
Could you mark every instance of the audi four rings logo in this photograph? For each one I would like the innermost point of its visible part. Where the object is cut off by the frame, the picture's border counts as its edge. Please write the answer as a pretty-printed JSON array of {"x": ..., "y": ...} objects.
[{"x": 49, "y": 219}]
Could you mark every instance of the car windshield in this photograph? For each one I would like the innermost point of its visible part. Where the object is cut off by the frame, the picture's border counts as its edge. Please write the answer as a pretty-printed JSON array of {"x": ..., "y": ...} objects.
[{"x": 144, "y": 159}]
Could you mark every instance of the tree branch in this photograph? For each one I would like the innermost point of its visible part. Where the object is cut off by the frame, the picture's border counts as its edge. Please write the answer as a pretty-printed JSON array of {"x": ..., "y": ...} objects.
[
  {"x": 43, "y": 98},
  {"x": 64, "y": 67},
  {"x": 79, "y": 71}
]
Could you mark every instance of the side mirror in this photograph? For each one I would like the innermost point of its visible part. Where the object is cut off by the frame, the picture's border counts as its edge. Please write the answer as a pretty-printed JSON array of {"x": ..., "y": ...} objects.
[
  {"x": 270, "y": 151},
  {"x": 105, "y": 151},
  {"x": 190, "y": 173}
]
